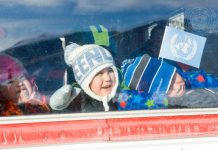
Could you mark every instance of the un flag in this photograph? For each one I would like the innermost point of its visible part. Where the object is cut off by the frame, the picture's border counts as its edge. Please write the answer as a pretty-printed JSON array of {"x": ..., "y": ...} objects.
[{"x": 181, "y": 46}]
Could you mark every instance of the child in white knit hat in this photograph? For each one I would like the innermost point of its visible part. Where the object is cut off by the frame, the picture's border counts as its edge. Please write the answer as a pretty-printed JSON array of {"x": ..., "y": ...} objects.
[{"x": 96, "y": 74}]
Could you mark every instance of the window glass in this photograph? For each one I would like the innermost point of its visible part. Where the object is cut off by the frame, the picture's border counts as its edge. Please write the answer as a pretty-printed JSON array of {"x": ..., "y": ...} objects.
[{"x": 36, "y": 78}]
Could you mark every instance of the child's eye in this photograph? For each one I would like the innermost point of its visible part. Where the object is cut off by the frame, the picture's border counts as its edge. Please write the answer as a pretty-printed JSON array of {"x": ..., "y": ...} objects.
[
  {"x": 100, "y": 73},
  {"x": 110, "y": 70}
]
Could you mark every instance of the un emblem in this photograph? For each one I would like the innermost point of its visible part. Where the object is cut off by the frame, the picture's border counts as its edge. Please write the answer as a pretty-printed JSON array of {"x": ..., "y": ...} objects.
[{"x": 183, "y": 47}]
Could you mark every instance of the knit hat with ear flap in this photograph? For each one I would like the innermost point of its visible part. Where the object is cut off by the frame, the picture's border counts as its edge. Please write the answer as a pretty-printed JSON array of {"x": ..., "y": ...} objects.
[{"x": 86, "y": 61}]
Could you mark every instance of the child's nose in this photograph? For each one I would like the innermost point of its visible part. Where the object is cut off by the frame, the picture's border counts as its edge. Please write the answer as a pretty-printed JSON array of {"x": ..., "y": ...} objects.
[{"x": 107, "y": 76}]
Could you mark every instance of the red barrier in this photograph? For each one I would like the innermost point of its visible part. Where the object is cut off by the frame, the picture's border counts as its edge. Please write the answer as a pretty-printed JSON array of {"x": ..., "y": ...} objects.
[{"x": 23, "y": 134}]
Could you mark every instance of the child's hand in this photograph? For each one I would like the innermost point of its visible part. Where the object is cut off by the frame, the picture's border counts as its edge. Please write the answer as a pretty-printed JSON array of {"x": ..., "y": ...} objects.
[
  {"x": 25, "y": 92},
  {"x": 177, "y": 87}
]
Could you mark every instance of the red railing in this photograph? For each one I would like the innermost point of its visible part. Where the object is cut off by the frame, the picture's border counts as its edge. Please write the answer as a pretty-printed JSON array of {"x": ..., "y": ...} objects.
[{"x": 115, "y": 129}]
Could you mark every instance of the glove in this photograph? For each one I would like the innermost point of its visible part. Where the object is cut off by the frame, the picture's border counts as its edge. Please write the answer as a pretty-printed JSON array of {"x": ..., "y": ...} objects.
[{"x": 62, "y": 98}]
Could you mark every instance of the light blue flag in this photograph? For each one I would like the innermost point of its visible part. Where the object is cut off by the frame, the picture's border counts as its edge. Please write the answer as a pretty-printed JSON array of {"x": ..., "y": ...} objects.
[{"x": 181, "y": 46}]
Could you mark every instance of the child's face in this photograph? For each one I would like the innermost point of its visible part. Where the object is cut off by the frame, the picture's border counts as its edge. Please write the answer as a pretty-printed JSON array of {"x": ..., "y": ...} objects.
[
  {"x": 177, "y": 87},
  {"x": 103, "y": 82},
  {"x": 15, "y": 90}
]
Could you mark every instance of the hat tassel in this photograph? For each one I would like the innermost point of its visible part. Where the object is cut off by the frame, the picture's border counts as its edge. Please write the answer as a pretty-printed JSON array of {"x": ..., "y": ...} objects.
[{"x": 105, "y": 104}]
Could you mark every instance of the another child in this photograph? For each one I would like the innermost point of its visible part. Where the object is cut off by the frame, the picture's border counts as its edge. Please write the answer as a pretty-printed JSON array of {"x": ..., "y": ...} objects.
[
  {"x": 166, "y": 85},
  {"x": 18, "y": 93},
  {"x": 149, "y": 81}
]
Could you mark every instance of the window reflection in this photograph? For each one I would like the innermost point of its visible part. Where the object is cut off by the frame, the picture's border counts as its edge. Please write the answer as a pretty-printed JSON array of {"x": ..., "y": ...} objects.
[{"x": 30, "y": 43}]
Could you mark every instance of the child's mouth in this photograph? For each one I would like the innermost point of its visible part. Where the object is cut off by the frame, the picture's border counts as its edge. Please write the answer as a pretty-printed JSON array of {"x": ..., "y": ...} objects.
[{"x": 107, "y": 86}]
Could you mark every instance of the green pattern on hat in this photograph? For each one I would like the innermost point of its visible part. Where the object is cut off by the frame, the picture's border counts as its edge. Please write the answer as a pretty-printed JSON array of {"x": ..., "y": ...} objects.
[{"x": 100, "y": 37}]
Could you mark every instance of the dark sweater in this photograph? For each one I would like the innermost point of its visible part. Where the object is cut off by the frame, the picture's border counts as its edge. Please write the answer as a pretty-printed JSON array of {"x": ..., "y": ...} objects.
[{"x": 84, "y": 103}]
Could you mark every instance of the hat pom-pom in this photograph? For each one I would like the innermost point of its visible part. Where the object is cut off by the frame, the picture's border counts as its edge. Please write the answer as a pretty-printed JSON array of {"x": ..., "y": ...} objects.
[{"x": 68, "y": 50}]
